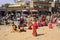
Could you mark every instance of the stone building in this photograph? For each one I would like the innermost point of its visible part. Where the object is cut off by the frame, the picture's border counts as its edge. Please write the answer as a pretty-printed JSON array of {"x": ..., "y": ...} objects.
[{"x": 41, "y": 5}]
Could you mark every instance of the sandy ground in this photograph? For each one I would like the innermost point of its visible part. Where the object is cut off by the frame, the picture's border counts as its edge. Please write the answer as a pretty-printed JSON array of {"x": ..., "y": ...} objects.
[{"x": 44, "y": 33}]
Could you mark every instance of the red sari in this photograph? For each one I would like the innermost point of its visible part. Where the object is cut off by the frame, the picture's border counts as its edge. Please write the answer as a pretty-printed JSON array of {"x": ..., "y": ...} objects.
[
  {"x": 30, "y": 28},
  {"x": 50, "y": 26},
  {"x": 34, "y": 32}
]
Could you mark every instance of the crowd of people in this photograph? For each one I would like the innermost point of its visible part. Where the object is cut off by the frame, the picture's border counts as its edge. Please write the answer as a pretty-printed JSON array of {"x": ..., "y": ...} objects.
[{"x": 32, "y": 22}]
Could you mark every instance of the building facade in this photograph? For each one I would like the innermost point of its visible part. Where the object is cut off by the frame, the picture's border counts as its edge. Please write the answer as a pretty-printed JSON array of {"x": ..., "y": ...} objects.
[{"x": 41, "y": 5}]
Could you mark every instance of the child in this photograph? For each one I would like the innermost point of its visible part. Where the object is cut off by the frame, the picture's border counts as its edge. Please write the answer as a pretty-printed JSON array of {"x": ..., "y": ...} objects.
[
  {"x": 50, "y": 25},
  {"x": 34, "y": 26},
  {"x": 22, "y": 29},
  {"x": 58, "y": 22},
  {"x": 18, "y": 29},
  {"x": 38, "y": 23},
  {"x": 13, "y": 27}
]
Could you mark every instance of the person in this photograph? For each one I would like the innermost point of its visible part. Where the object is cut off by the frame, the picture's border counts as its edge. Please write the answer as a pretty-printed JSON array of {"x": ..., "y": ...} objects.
[
  {"x": 29, "y": 23},
  {"x": 42, "y": 20},
  {"x": 18, "y": 29},
  {"x": 5, "y": 20},
  {"x": 46, "y": 21},
  {"x": 50, "y": 25},
  {"x": 34, "y": 26},
  {"x": 38, "y": 23},
  {"x": 13, "y": 27},
  {"x": 12, "y": 15},
  {"x": 58, "y": 22},
  {"x": 21, "y": 24}
]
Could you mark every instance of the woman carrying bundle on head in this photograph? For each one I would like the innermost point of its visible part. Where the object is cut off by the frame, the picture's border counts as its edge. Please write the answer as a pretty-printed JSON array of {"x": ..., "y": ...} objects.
[
  {"x": 43, "y": 18},
  {"x": 30, "y": 23}
]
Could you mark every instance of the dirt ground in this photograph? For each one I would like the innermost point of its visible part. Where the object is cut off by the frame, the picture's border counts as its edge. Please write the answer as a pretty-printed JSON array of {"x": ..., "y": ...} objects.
[{"x": 44, "y": 33}]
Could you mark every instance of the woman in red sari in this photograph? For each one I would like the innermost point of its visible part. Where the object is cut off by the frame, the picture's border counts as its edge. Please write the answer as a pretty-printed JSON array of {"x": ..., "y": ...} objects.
[
  {"x": 42, "y": 20},
  {"x": 34, "y": 27}
]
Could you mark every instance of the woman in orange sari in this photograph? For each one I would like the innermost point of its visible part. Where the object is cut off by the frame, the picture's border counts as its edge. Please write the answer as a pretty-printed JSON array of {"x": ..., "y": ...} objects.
[{"x": 13, "y": 27}]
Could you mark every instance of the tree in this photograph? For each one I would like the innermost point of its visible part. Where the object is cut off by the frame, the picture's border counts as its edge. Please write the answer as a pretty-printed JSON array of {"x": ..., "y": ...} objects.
[{"x": 6, "y": 6}]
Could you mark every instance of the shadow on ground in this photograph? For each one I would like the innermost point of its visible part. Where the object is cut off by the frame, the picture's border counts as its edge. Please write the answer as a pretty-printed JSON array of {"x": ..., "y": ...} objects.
[{"x": 40, "y": 34}]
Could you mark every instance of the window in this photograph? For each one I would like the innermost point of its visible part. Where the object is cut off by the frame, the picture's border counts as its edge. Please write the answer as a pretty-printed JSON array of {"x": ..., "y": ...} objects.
[
  {"x": 51, "y": 0},
  {"x": 58, "y": 5},
  {"x": 41, "y": 0},
  {"x": 35, "y": 6},
  {"x": 35, "y": 0},
  {"x": 41, "y": 6},
  {"x": 27, "y": 3}
]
